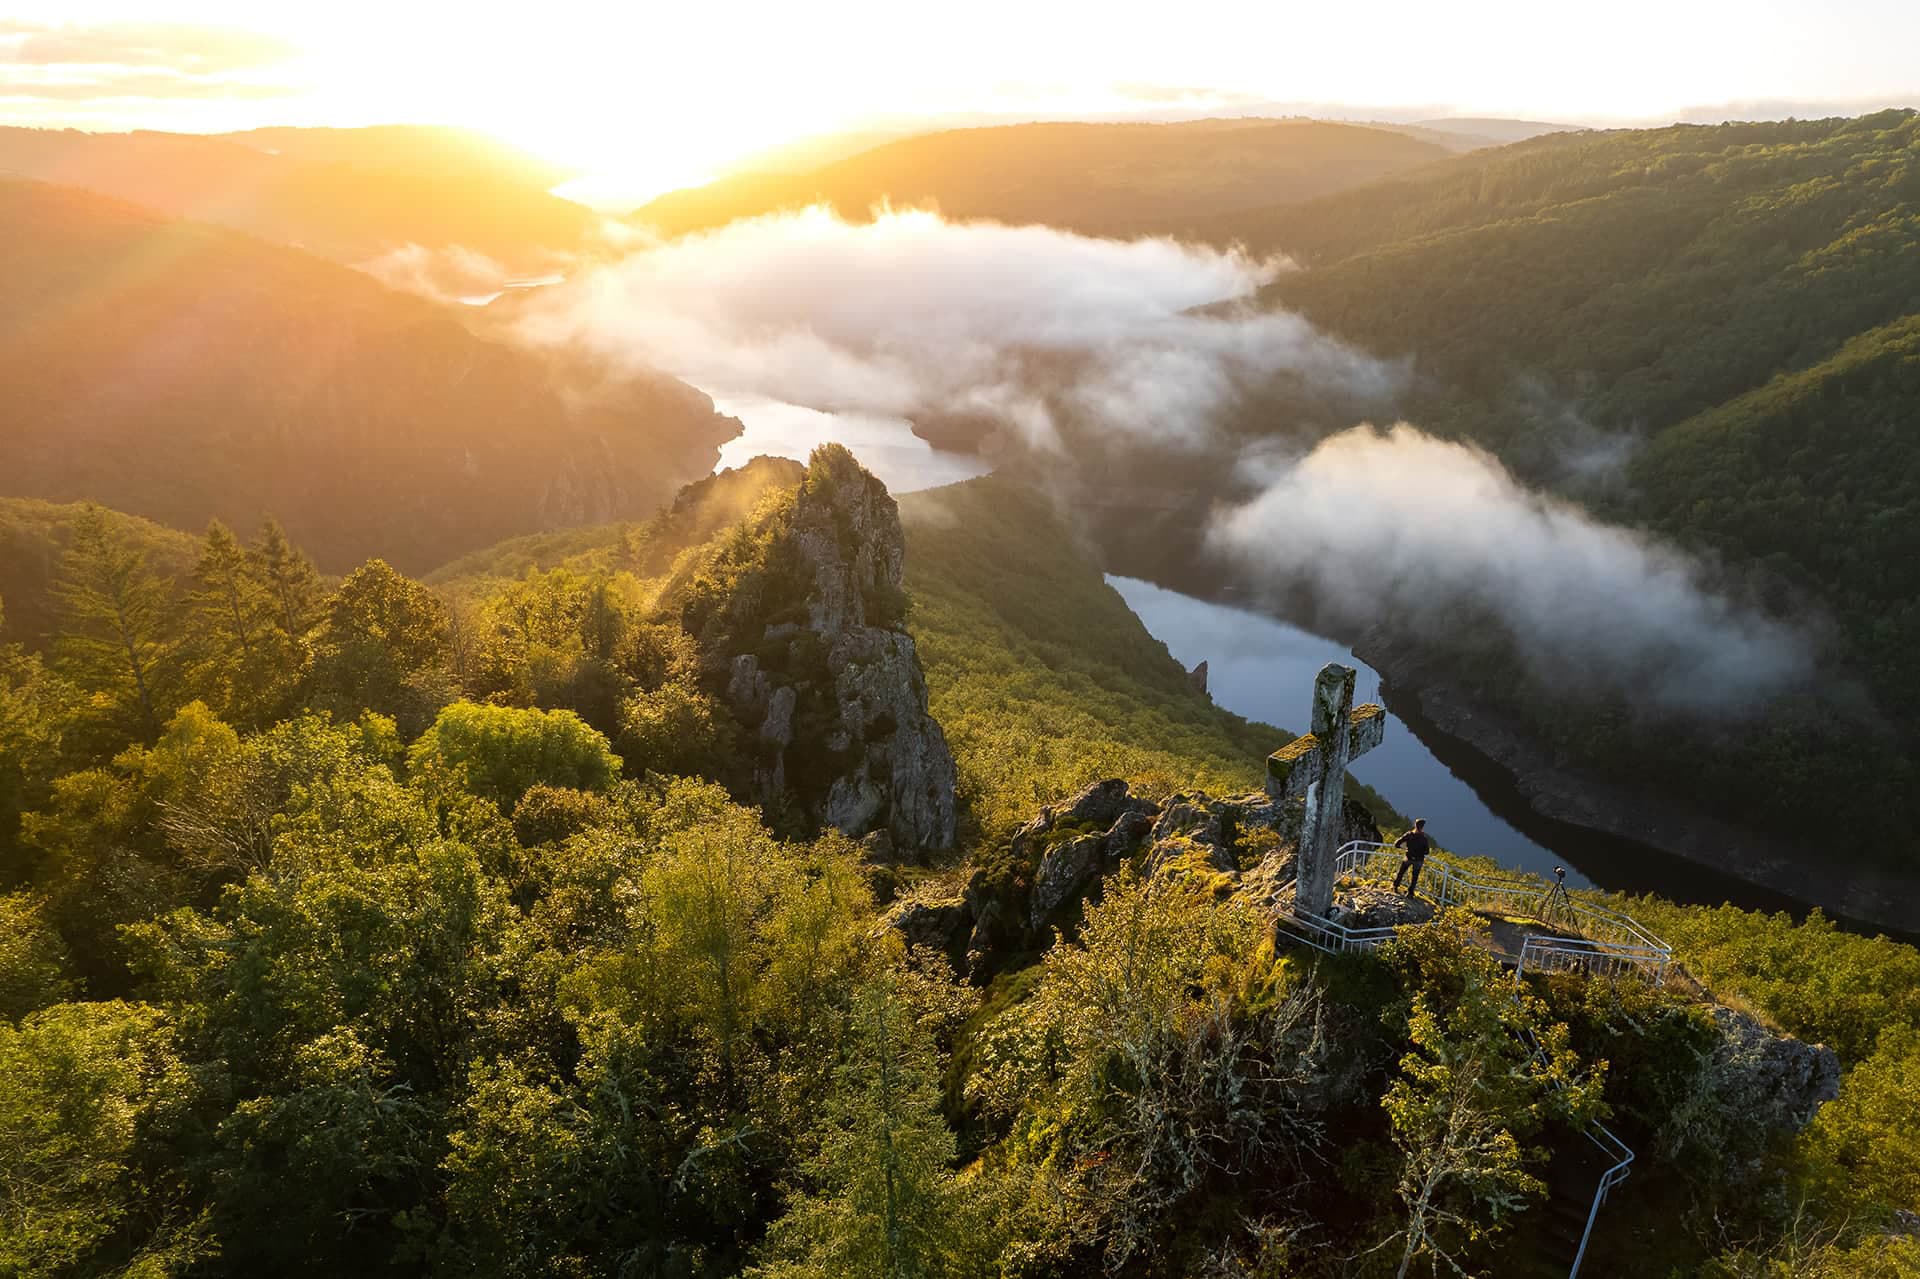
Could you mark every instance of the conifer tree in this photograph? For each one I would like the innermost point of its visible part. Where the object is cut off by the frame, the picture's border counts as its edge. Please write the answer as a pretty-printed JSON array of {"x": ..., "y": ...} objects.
[
  {"x": 114, "y": 637},
  {"x": 887, "y": 1202},
  {"x": 241, "y": 656},
  {"x": 291, "y": 582}
]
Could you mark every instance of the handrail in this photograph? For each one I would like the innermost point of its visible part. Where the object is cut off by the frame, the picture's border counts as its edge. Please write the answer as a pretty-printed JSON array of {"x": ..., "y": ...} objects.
[
  {"x": 1609, "y": 1145},
  {"x": 1612, "y": 936}
]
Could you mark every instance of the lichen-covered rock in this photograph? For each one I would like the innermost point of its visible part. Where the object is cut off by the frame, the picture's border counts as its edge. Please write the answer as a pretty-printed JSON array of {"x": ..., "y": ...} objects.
[
  {"x": 1128, "y": 832},
  {"x": 1193, "y": 818},
  {"x": 1269, "y": 884},
  {"x": 1773, "y": 1081},
  {"x": 1205, "y": 866},
  {"x": 1099, "y": 804},
  {"x": 904, "y": 774},
  {"x": 1371, "y": 906},
  {"x": 1063, "y": 869},
  {"x": 943, "y": 924}
]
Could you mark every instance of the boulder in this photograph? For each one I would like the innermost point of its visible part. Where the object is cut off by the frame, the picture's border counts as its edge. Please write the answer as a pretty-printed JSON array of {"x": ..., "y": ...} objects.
[
  {"x": 1128, "y": 832},
  {"x": 1772, "y": 1080},
  {"x": 984, "y": 941},
  {"x": 1063, "y": 869},
  {"x": 877, "y": 847},
  {"x": 1100, "y": 804},
  {"x": 1270, "y": 884},
  {"x": 1371, "y": 906},
  {"x": 942, "y": 924}
]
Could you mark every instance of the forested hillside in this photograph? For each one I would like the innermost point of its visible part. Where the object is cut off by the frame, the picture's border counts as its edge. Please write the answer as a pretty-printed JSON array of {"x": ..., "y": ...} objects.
[
  {"x": 347, "y": 194},
  {"x": 1100, "y": 179},
  {"x": 182, "y": 373},
  {"x": 1733, "y": 307},
  {"x": 367, "y": 927},
  {"x": 1043, "y": 680},
  {"x": 34, "y": 535}
]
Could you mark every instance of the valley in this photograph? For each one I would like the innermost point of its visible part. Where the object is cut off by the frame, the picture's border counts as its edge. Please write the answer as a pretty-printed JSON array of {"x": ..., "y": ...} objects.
[{"x": 818, "y": 728}]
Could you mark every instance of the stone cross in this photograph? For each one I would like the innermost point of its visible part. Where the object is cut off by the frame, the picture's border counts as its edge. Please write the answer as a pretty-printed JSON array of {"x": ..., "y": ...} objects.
[{"x": 1314, "y": 768}]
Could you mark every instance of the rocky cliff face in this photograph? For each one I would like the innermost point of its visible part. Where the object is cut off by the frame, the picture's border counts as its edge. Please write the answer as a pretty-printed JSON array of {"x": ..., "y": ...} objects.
[{"x": 834, "y": 693}]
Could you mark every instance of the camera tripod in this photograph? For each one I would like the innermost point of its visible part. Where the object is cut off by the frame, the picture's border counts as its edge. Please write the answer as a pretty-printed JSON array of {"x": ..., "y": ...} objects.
[{"x": 1555, "y": 905}]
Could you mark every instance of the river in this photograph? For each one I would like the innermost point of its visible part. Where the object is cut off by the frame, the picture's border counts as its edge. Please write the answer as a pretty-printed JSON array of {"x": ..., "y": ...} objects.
[
  {"x": 886, "y": 446},
  {"x": 1263, "y": 667},
  {"x": 1257, "y": 666}
]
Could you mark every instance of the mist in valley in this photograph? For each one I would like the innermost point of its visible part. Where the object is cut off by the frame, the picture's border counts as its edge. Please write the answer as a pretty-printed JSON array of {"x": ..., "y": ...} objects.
[{"x": 1072, "y": 346}]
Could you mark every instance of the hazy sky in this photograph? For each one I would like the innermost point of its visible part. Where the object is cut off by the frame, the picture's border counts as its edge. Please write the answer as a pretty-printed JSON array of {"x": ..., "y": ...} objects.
[{"x": 684, "y": 86}]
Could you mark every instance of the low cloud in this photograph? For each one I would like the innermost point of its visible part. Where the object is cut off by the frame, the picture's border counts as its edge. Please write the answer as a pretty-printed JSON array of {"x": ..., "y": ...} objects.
[
  {"x": 1089, "y": 344},
  {"x": 183, "y": 47},
  {"x": 1436, "y": 534},
  {"x": 79, "y": 62},
  {"x": 910, "y": 314},
  {"x": 447, "y": 275}
]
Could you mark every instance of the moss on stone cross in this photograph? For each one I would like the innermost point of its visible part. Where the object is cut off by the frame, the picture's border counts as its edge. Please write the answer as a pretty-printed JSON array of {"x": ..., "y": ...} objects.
[{"x": 1314, "y": 768}]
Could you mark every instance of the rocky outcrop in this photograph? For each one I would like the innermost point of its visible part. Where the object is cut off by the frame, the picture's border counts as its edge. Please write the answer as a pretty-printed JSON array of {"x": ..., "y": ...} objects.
[
  {"x": 942, "y": 924},
  {"x": 1068, "y": 844},
  {"x": 1240, "y": 844},
  {"x": 837, "y": 702},
  {"x": 1774, "y": 1081}
]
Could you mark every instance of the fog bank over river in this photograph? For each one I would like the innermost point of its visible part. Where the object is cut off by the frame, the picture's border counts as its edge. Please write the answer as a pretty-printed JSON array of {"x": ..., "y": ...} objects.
[{"x": 1262, "y": 667}]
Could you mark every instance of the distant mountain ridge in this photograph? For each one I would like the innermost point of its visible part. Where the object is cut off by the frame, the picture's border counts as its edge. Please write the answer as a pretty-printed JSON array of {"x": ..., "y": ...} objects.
[
  {"x": 347, "y": 194},
  {"x": 1098, "y": 179},
  {"x": 181, "y": 372}
]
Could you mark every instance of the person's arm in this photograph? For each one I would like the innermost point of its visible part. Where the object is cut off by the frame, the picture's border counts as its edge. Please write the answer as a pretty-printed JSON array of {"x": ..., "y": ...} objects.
[{"x": 1402, "y": 841}]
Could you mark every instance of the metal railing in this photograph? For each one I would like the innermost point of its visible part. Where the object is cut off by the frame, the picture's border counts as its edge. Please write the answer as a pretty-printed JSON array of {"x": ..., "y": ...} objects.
[
  {"x": 1622, "y": 1154},
  {"x": 1540, "y": 953},
  {"x": 1602, "y": 940},
  {"x": 1618, "y": 1154}
]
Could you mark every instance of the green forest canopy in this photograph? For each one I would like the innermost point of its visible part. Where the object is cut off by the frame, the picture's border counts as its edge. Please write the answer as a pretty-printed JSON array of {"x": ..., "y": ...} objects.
[{"x": 374, "y": 935}]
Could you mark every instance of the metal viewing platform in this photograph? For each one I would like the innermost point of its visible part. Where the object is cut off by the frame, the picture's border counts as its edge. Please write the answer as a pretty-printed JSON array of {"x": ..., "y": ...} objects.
[{"x": 1535, "y": 927}]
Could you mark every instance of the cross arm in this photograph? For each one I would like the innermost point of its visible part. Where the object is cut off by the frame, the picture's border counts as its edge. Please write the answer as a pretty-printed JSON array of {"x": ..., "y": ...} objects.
[{"x": 1303, "y": 761}]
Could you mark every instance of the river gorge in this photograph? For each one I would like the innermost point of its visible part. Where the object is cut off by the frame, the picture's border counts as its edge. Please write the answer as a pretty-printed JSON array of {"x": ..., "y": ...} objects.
[{"x": 1484, "y": 788}]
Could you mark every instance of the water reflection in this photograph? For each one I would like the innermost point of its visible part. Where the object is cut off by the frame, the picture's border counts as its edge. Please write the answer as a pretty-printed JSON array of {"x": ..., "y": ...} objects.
[
  {"x": 886, "y": 446},
  {"x": 1264, "y": 669}
]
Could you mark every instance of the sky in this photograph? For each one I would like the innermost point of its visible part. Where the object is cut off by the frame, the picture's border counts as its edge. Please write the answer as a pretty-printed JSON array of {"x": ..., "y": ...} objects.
[{"x": 672, "y": 91}]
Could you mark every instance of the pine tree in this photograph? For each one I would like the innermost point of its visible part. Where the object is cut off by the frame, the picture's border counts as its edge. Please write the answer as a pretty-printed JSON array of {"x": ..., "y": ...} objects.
[
  {"x": 886, "y": 1200},
  {"x": 241, "y": 656},
  {"x": 114, "y": 637},
  {"x": 292, "y": 583}
]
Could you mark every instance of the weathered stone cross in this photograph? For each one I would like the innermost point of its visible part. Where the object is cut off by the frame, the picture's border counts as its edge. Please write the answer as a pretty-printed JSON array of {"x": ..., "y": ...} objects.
[{"x": 1314, "y": 768}]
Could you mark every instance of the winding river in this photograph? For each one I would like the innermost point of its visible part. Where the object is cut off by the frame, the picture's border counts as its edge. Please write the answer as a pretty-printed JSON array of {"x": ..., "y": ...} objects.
[{"x": 1262, "y": 667}]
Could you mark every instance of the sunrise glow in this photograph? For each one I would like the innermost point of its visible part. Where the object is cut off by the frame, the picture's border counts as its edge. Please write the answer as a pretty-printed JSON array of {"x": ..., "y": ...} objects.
[{"x": 648, "y": 97}]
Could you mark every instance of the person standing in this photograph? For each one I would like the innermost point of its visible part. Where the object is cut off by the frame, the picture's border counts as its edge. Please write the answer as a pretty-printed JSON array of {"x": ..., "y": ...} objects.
[{"x": 1416, "y": 843}]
